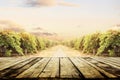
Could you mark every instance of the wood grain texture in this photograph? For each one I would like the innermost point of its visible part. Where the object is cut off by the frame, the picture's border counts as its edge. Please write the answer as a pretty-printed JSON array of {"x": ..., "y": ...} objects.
[
  {"x": 67, "y": 69},
  {"x": 106, "y": 69},
  {"x": 52, "y": 69},
  {"x": 34, "y": 70},
  {"x": 87, "y": 70},
  {"x": 55, "y": 68}
]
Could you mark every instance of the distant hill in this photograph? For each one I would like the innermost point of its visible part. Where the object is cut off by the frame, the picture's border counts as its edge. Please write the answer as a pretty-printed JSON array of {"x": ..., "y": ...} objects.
[
  {"x": 8, "y": 25},
  {"x": 116, "y": 27},
  {"x": 53, "y": 36}
]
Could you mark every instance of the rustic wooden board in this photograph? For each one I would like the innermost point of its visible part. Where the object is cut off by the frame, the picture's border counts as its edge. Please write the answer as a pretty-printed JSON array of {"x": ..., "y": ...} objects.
[
  {"x": 14, "y": 61},
  {"x": 108, "y": 61},
  {"x": 87, "y": 70},
  {"x": 34, "y": 70},
  {"x": 117, "y": 60},
  {"x": 16, "y": 69},
  {"x": 60, "y": 68},
  {"x": 106, "y": 69},
  {"x": 51, "y": 70},
  {"x": 67, "y": 69},
  {"x": 4, "y": 61}
]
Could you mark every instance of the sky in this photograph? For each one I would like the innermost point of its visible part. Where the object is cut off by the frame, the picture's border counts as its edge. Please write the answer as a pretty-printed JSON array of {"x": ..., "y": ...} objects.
[{"x": 68, "y": 18}]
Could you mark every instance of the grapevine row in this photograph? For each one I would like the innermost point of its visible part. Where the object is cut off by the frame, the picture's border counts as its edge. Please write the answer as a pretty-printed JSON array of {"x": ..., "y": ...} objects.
[{"x": 107, "y": 43}]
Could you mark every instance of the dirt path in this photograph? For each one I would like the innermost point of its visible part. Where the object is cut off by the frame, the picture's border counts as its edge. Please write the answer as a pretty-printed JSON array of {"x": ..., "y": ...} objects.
[{"x": 59, "y": 51}]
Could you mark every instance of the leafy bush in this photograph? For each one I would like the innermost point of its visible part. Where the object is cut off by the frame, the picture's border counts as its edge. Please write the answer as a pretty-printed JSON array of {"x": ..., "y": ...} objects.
[
  {"x": 21, "y": 43},
  {"x": 98, "y": 43},
  {"x": 91, "y": 43},
  {"x": 10, "y": 41},
  {"x": 28, "y": 43},
  {"x": 109, "y": 42}
]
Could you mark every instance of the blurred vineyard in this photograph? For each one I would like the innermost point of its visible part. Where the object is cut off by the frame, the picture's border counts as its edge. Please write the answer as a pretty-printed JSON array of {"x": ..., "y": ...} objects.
[
  {"x": 106, "y": 44},
  {"x": 14, "y": 43},
  {"x": 23, "y": 43}
]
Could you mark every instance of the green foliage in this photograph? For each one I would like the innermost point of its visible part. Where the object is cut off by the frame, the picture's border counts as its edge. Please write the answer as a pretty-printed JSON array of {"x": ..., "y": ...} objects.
[
  {"x": 77, "y": 44},
  {"x": 49, "y": 43},
  {"x": 91, "y": 43},
  {"x": 10, "y": 41},
  {"x": 38, "y": 43},
  {"x": 111, "y": 52},
  {"x": 98, "y": 43},
  {"x": 109, "y": 42},
  {"x": 28, "y": 42},
  {"x": 8, "y": 52},
  {"x": 42, "y": 44},
  {"x": 21, "y": 43}
]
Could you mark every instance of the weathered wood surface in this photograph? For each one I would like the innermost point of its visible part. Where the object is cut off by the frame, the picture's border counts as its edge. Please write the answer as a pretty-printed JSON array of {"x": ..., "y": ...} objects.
[{"x": 60, "y": 68}]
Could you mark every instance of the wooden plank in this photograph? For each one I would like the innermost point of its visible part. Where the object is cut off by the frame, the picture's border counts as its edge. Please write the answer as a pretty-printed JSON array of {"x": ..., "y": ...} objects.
[
  {"x": 4, "y": 61},
  {"x": 38, "y": 71},
  {"x": 10, "y": 64},
  {"x": 111, "y": 59},
  {"x": 24, "y": 68},
  {"x": 6, "y": 58},
  {"x": 99, "y": 66},
  {"x": 35, "y": 70},
  {"x": 108, "y": 61},
  {"x": 108, "y": 66},
  {"x": 117, "y": 60},
  {"x": 51, "y": 70},
  {"x": 88, "y": 71},
  {"x": 63, "y": 68},
  {"x": 67, "y": 69},
  {"x": 16, "y": 69}
]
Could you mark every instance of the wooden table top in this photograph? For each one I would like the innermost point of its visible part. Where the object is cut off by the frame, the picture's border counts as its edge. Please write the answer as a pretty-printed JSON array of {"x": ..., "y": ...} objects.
[{"x": 56, "y": 68}]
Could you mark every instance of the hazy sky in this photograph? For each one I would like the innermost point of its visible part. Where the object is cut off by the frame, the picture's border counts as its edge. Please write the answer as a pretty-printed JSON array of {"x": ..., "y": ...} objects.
[{"x": 65, "y": 17}]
